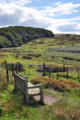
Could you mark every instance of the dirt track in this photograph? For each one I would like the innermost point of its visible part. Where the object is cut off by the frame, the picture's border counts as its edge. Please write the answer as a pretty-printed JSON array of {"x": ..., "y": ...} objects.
[{"x": 48, "y": 99}]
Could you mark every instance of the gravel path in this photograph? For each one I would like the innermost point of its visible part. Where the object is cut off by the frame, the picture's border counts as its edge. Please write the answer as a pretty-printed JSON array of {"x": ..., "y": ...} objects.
[{"x": 48, "y": 99}]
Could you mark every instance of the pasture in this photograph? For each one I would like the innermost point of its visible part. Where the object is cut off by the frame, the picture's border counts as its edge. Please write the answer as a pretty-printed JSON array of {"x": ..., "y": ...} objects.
[{"x": 56, "y": 84}]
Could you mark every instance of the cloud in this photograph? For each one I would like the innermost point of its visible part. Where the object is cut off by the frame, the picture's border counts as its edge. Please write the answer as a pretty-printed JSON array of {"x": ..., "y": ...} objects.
[
  {"x": 67, "y": 8},
  {"x": 18, "y": 13},
  {"x": 68, "y": 28},
  {"x": 60, "y": 9},
  {"x": 17, "y": 2},
  {"x": 20, "y": 2}
]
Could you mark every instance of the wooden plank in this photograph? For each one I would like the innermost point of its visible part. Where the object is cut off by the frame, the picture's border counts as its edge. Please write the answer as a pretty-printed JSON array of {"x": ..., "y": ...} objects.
[
  {"x": 33, "y": 91},
  {"x": 34, "y": 86},
  {"x": 34, "y": 94},
  {"x": 27, "y": 88}
]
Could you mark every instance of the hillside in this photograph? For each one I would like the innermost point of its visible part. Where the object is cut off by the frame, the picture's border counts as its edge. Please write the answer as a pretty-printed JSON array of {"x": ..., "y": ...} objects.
[
  {"x": 61, "y": 54},
  {"x": 61, "y": 86},
  {"x": 74, "y": 38},
  {"x": 18, "y": 35}
]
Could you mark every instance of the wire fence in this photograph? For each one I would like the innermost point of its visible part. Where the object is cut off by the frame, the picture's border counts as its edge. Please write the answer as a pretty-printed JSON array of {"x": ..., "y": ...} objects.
[{"x": 33, "y": 70}]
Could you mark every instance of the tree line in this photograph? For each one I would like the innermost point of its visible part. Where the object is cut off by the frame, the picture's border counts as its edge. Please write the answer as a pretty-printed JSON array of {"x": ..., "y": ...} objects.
[{"x": 15, "y": 36}]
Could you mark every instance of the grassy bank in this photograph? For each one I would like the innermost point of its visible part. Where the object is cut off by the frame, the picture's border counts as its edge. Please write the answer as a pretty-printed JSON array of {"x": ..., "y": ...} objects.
[{"x": 37, "y": 52}]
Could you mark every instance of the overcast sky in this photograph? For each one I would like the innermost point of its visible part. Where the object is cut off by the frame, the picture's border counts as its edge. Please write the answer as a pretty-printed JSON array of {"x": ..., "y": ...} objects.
[{"x": 59, "y": 16}]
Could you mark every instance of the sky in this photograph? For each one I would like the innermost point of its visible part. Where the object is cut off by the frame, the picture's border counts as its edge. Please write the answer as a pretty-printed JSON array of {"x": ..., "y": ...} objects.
[{"x": 59, "y": 16}]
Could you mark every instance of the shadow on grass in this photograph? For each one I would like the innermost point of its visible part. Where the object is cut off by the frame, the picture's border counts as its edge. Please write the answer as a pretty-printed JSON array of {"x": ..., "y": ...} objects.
[{"x": 20, "y": 99}]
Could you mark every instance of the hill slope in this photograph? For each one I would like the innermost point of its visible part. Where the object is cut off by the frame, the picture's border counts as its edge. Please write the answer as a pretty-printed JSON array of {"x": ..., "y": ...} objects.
[{"x": 18, "y": 35}]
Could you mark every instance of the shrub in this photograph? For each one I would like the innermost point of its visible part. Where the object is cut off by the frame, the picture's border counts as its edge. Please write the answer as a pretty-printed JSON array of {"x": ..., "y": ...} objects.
[{"x": 60, "y": 85}]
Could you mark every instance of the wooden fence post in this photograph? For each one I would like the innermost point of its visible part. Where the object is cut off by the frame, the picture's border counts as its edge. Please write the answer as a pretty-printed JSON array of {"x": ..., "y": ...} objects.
[
  {"x": 16, "y": 67},
  {"x": 49, "y": 73},
  {"x": 1, "y": 84},
  {"x": 12, "y": 68},
  {"x": 57, "y": 72},
  {"x": 78, "y": 73},
  {"x": 44, "y": 69},
  {"x": 7, "y": 73},
  {"x": 64, "y": 67},
  {"x": 67, "y": 72},
  {"x": 28, "y": 70}
]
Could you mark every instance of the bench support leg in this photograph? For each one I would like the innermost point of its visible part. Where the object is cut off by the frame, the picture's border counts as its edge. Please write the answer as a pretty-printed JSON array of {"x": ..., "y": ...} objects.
[
  {"x": 41, "y": 96},
  {"x": 27, "y": 99}
]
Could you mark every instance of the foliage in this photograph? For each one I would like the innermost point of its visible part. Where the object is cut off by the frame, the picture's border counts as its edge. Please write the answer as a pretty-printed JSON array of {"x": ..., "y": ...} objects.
[
  {"x": 60, "y": 85},
  {"x": 17, "y": 35},
  {"x": 68, "y": 108}
]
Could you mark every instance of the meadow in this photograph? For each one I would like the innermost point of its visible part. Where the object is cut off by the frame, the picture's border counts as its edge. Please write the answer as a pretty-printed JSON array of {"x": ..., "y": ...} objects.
[{"x": 66, "y": 90}]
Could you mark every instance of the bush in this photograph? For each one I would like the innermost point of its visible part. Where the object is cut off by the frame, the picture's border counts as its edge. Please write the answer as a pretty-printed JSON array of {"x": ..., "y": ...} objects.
[
  {"x": 0, "y": 112},
  {"x": 17, "y": 35},
  {"x": 60, "y": 85}
]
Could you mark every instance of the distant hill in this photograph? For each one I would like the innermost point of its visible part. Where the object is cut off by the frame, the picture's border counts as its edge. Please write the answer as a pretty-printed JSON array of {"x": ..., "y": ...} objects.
[
  {"x": 67, "y": 39},
  {"x": 15, "y": 36},
  {"x": 65, "y": 36}
]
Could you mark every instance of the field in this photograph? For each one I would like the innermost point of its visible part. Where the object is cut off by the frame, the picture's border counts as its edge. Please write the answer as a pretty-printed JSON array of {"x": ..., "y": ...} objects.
[{"x": 53, "y": 52}]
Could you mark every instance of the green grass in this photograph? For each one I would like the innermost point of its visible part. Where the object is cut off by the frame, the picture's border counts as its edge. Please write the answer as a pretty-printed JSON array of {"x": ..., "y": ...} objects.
[
  {"x": 42, "y": 48},
  {"x": 69, "y": 105},
  {"x": 18, "y": 111}
]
